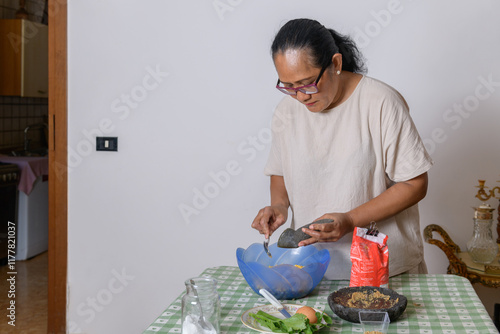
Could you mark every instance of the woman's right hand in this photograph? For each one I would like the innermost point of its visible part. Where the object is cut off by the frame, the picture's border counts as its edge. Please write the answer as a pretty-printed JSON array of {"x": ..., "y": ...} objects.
[{"x": 270, "y": 218}]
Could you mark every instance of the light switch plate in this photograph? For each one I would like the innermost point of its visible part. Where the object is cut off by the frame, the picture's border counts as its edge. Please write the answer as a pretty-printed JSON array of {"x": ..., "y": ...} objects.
[{"x": 106, "y": 144}]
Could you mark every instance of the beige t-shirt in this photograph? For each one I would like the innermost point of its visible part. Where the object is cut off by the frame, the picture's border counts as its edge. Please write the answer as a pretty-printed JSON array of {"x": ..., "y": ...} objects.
[{"x": 341, "y": 158}]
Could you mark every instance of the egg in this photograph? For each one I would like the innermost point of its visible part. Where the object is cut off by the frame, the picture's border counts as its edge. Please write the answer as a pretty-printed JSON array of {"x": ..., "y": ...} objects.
[{"x": 309, "y": 312}]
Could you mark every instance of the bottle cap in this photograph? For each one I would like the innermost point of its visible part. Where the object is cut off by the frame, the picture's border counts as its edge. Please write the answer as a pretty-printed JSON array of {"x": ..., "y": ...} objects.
[{"x": 484, "y": 211}]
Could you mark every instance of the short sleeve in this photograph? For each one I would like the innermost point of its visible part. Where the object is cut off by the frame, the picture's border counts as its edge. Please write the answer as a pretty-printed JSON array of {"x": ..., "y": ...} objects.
[
  {"x": 274, "y": 164},
  {"x": 404, "y": 152}
]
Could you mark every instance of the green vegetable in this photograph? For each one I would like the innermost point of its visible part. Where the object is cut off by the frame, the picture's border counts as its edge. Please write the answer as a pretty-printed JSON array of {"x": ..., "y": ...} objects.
[{"x": 298, "y": 323}]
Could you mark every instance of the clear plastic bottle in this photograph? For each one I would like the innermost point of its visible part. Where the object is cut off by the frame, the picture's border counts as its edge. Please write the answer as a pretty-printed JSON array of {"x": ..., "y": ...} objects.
[
  {"x": 481, "y": 247},
  {"x": 201, "y": 293}
]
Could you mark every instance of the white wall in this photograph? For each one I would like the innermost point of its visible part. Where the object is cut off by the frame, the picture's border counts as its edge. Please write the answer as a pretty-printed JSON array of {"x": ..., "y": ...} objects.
[{"x": 208, "y": 109}]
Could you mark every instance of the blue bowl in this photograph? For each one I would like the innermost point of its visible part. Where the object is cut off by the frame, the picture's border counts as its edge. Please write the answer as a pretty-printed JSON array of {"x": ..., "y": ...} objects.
[{"x": 279, "y": 274}]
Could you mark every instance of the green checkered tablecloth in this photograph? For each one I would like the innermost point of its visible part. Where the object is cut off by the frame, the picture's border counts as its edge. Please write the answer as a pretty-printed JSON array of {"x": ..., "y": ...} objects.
[{"x": 443, "y": 304}]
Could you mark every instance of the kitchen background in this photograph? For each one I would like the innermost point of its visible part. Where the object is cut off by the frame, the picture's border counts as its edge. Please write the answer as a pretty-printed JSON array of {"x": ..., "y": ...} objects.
[
  {"x": 16, "y": 113},
  {"x": 187, "y": 87}
]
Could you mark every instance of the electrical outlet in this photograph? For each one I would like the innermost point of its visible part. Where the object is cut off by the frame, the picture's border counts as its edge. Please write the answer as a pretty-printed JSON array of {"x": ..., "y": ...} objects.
[{"x": 106, "y": 144}]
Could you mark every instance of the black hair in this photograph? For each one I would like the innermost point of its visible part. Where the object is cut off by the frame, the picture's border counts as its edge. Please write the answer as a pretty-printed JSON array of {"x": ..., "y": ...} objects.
[{"x": 321, "y": 44}]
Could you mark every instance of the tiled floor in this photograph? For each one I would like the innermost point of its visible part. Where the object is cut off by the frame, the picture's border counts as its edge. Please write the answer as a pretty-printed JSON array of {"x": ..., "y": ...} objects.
[{"x": 30, "y": 296}]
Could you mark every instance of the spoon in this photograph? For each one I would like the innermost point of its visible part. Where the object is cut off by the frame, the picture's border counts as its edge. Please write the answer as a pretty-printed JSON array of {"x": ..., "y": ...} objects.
[
  {"x": 266, "y": 247},
  {"x": 201, "y": 320}
]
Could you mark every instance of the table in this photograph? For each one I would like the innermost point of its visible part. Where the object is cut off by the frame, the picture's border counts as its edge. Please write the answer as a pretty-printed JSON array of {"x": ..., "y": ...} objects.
[
  {"x": 31, "y": 168},
  {"x": 460, "y": 263},
  {"x": 436, "y": 304}
]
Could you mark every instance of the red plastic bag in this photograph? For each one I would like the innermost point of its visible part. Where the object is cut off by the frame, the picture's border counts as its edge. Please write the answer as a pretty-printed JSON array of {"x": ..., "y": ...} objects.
[{"x": 370, "y": 259}]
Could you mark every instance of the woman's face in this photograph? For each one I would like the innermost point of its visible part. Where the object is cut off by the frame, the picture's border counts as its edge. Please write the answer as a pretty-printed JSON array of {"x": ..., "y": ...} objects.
[{"x": 295, "y": 70}]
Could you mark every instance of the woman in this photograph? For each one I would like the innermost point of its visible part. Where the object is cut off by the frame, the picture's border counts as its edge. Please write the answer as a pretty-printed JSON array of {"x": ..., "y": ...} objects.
[{"x": 344, "y": 148}]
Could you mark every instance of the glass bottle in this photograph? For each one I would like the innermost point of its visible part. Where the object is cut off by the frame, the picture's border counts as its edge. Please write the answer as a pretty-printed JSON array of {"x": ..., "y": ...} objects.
[
  {"x": 201, "y": 301},
  {"x": 481, "y": 247}
]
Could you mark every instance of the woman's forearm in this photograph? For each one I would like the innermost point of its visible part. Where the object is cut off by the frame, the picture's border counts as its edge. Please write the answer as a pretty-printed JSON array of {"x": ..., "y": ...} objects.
[{"x": 397, "y": 198}]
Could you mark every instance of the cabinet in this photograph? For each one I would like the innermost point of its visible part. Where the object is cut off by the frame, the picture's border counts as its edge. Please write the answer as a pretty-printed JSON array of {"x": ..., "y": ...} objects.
[{"x": 23, "y": 58}]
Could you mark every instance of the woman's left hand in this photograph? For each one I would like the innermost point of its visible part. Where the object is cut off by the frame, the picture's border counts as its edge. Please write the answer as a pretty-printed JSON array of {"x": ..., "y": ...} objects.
[{"x": 341, "y": 225}]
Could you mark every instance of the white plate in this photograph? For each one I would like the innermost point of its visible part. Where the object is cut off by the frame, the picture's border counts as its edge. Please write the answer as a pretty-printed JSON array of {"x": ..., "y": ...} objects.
[{"x": 251, "y": 323}]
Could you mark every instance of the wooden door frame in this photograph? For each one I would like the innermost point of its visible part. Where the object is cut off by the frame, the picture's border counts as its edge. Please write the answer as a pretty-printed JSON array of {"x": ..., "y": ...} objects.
[{"x": 58, "y": 167}]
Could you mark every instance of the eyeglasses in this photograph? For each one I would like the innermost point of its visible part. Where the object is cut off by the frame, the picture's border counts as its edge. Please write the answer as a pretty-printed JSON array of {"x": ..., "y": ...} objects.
[{"x": 307, "y": 89}]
